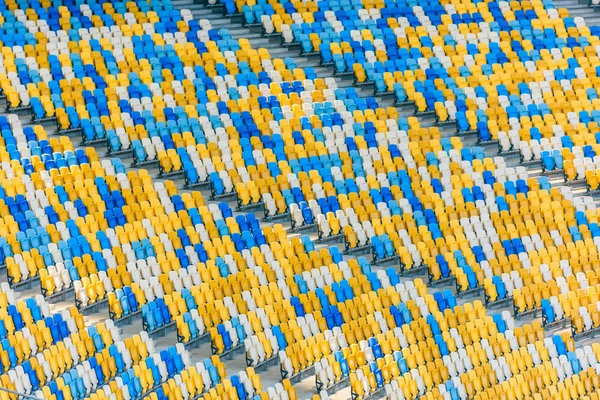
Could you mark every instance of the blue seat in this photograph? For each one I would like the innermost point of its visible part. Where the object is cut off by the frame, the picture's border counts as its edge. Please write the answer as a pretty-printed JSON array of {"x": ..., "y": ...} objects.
[
  {"x": 548, "y": 311},
  {"x": 500, "y": 287}
]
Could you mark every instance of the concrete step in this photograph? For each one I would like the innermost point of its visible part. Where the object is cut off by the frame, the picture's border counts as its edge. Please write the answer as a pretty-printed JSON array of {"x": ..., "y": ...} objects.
[
  {"x": 565, "y": 3},
  {"x": 580, "y": 8},
  {"x": 201, "y": 11},
  {"x": 323, "y": 72},
  {"x": 260, "y": 42},
  {"x": 249, "y": 34},
  {"x": 569, "y": 4}
]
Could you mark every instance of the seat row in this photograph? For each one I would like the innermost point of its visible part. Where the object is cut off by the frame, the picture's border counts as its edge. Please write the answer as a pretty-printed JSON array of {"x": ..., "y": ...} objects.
[
  {"x": 453, "y": 209},
  {"x": 553, "y": 102}
]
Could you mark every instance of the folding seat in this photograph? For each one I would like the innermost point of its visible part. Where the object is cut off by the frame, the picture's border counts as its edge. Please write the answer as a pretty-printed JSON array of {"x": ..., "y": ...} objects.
[{"x": 548, "y": 311}]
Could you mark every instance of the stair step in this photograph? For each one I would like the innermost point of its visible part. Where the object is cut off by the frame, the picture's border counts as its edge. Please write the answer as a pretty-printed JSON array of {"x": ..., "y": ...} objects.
[
  {"x": 323, "y": 71},
  {"x": 202, "y": 12},
  {"x": 577, "y": 7},
  {"x": 217, "y": 21},
  {"x": 259, "y": 42}
]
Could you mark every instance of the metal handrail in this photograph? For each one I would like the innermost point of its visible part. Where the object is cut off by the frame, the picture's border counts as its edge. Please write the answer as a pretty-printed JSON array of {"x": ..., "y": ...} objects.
[{"x": 20, "y": 395}]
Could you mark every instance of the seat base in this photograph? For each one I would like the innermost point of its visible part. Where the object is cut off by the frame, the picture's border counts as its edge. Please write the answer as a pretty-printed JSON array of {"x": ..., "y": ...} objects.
[
  {"x": 309, "y": 53},
  {"x": 269, "y": 362},
  {"x": 424, "y": 114},
  {"x": 91, "y": 308},
  {"x": 476, "y": 291},
  {"x": 304, "y": 227},
  {"x": 24, "y": 284},
  {"x": 533, "y": 313},
  {"x": 218, "y": 197},
  {"x": 561, "y": 324},
  {"x": 385, "y": 93},
  {"x": 58, "y": 296},
  {"x": 593, "y": 192},
  {"x": 356, "y": 250},
  {"x": 334, "y": 388},
  {"x": 20, "y": 109},
  {"x": 277, "y": 217},
  {"x": 140, "y": 164},
  {"x": 590, "y": 334},
  {"x": 248, "y": 207},
  {"x": 169, "y": 175},
  {"x": 67, "y": 132},
  {"x": 43, "y": 121},
  {"x": 229, "y": 354},
  {"x": 368, "y": 84},
  {"x": 385, "y": 260},
  {"x": 378, "y": 394},
  {"x": 462, "y": 134},
  {"x": 202, "y": 339},
  {"x": 343, "y": 74},
  {"x": 553, "y": 172},
  {"x": 331, "y": 238},
  {"x": 93, "y": 142},
  {"x": 197, "y": 185},
  {"x": 300, "y": 376},
  {"x": 508, "y": 152},
  {"x": 491, "y": 143},
  {"x": 498, "y": 303},
  {"x": 125, "y": 319},
  {"x": 448, "y": 122},
  {"x": 158, "y": 332},
  {"x": 293, "y": 44},
  {"x": 575, "y": 182},
  {"x": 451, "y": 281},
  {"x": 404, "y": 103},
  {"x": 422, "y": 269},
  {"x": 120, "y": 153},
  {"x": 269, "y": 35},
  {"x": 530, "y": 163}
]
